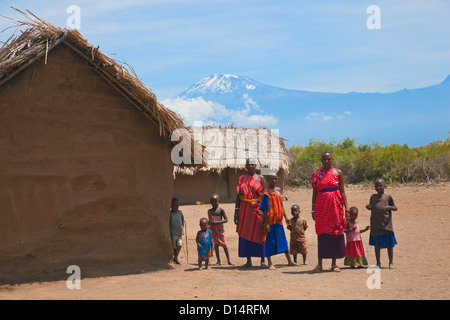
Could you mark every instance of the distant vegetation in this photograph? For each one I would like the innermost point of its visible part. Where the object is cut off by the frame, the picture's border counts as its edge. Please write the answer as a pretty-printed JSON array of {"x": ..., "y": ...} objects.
[{"x": 363, "y": 163}]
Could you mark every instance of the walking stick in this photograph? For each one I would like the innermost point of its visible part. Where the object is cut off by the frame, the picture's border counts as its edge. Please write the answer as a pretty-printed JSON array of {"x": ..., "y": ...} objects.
[{"x": 186, "y": 253}]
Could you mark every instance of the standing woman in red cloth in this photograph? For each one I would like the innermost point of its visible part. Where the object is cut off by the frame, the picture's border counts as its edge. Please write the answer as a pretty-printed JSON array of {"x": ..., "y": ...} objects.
[
  {"x": 329, "y": 204},
  {"x": 247, "y": 216}
]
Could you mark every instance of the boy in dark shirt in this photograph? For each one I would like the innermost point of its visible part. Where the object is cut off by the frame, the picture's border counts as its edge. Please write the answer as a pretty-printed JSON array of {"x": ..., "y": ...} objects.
[
  {"x": 381, "y": 228},
  {"x": 176, "y": 227}
]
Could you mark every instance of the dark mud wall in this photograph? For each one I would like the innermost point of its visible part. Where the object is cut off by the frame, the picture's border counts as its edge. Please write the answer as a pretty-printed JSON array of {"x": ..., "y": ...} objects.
[{"x": 85, "y": 178}]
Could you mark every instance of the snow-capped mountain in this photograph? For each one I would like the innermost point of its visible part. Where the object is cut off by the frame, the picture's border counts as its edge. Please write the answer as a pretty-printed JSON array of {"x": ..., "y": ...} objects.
[
  {"x": 222, "y": 83},
  {"x": 233, "y": 91},
  {"x": 229, "y": 88},
  {"x": 412, "y": 116}
]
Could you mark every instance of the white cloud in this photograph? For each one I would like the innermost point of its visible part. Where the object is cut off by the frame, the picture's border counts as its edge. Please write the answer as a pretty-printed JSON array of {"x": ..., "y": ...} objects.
[
  {"x": 250, "y": 103},
  {"x": 209, "y": 112},
  {"x": 258, "y": 120},
  {"x": 196, "y": 109},
  {"x": 245, "y": 118},
  {"x": 321, "y": 116},
  {"x": 318, "y": 116}
]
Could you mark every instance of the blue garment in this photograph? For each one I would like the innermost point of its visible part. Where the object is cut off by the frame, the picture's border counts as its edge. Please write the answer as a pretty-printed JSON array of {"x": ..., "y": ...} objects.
[
  {"x": 384, "y": 241},
  {"x": 329, "y": 189},
  {"x": 204, "y": 238},
  {"x": 276, "y": 240},
  {"x": 264, "y": 202}
]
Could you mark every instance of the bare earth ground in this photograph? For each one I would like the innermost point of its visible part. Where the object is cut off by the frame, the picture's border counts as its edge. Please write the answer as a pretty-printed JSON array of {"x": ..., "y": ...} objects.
[{"x": 421, "y": 260}]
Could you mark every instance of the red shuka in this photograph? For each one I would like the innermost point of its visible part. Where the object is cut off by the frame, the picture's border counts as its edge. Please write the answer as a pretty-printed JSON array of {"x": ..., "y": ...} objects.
[
  {"x": 328, "y": 210},
  {"x": 250, "y": 225}
]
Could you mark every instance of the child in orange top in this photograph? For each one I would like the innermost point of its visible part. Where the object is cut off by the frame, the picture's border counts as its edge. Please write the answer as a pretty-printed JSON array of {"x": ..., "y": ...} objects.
[{"x": 273, "y": 210}]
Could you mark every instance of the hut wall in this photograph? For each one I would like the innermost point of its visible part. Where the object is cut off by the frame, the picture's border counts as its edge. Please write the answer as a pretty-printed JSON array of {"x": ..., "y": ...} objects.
[
  {"x": 233, "y": 178},
  {"x": 85, "y": 178},
  {"x": 200, "y": 186}
]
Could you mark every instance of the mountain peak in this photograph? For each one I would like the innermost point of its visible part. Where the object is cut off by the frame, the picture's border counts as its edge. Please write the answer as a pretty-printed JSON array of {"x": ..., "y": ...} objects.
[{"x": 222, "y": 83}]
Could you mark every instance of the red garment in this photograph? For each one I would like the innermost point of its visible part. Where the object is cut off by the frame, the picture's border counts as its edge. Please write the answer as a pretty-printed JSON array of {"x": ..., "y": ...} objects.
[
  {"x": 217, "y": 230},
  {"x": 275, "y": 213},
  {"x": 354, "y": 254},
  {"x": 328, "y": 210},
  {"x": 354, "y": 249},
  {"x": 250, "y": 225}
]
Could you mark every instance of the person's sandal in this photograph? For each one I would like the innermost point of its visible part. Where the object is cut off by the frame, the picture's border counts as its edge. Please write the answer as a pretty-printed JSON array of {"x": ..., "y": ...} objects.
[
  {"x": 335, "y": 269},
  {"x": 317, "y": 269}
]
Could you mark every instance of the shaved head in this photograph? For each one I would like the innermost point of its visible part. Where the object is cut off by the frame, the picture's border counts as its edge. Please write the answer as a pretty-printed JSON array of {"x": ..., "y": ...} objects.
[
  {"x": 215, "y": 196},
  {"x": 326, "y": 153}
]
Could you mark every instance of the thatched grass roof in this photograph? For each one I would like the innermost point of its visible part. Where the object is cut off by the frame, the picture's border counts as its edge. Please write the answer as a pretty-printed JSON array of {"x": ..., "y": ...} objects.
[
  {"x": 40, "y": 37},
  {"x": 229, "y": 147}
]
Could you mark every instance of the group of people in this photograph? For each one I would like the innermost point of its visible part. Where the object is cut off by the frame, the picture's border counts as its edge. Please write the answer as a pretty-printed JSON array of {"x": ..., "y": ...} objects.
[
  {"x": 334, "y": 219},
  {"x": 259, "y": 215}
]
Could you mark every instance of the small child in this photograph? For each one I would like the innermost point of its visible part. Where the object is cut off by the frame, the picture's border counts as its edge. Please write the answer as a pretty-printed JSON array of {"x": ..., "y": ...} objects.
[
  {"x": 176, "y": 227},
  {"x": 204, "y": 243},
  {"x": 354, "y": 250},
  {"x": 381, "y": 228},
  {"x": 297, "y": 227},
  {"x": 217, "y": 218}
]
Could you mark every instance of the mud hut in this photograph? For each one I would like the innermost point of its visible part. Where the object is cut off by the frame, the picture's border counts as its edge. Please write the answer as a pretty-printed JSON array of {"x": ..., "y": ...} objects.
[
  {"x": 226, "y": 151},
  {"x": 86, "y": 176}
]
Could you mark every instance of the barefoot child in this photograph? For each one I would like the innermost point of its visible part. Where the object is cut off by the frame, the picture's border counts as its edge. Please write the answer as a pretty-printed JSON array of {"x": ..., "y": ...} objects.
[
  {"x": 273, "y": 210},
  {"x": 217, "y": 218},
  {"x": 204, "y": 243},
  {"x": 297, "y": 226},
  {"x": 176, "y": 227},
  {"x": 354, "y": 250},
  {"x": 381, "y": 228}
]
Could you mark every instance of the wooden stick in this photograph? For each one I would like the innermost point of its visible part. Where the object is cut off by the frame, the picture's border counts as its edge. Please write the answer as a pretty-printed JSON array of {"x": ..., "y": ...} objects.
[
  {"x": 185, "y": 235},
  {"x": 46, "y": 51}
]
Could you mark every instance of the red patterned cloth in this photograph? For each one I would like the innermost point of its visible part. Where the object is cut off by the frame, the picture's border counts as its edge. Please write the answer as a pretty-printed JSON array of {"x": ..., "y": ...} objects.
[
  {"x": 250, "y": 225},
  {"x": 328, "y": 210},
  {"x": 275, "y": 212}
]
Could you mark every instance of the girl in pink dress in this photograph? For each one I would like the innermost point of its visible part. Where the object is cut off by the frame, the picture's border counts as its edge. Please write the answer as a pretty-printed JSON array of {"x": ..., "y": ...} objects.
[{"x": 354, "y": 250}]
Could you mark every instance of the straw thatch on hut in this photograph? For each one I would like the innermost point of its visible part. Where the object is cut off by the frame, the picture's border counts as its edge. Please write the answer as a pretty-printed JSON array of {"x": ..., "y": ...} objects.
[
  {"x": 226, "y": 151},
  {"x": 86, "y": 172}
]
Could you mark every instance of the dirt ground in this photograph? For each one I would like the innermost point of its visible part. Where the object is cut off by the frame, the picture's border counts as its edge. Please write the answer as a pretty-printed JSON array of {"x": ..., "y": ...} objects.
[{"x": 421, "y": 260}]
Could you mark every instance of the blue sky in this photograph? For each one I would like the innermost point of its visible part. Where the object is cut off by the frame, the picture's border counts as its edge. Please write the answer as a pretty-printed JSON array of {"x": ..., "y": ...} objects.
[{"x": 295, "y": 44}]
